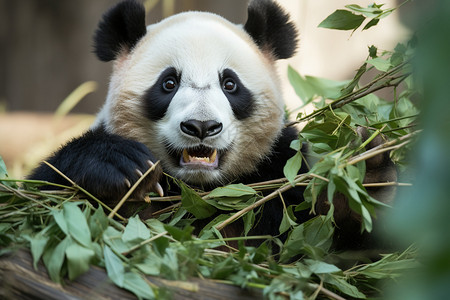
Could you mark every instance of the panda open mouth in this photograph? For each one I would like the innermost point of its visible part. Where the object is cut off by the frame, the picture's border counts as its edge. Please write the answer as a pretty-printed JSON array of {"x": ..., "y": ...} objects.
[{"x": 200, "y": 157}]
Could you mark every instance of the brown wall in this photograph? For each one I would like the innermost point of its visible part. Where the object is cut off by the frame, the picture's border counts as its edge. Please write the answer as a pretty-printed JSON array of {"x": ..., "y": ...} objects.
[{"x": 46, "y": 48}]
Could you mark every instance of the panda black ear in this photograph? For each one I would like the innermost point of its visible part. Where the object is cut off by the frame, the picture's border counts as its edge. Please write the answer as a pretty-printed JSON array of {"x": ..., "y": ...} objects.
[
  {"x": 120, "y": 29},
  {"x": 270, "y": 27}
]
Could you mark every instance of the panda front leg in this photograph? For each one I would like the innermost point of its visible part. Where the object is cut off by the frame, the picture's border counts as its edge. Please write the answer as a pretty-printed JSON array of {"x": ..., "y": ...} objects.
[{"x": 104, "y": 164}]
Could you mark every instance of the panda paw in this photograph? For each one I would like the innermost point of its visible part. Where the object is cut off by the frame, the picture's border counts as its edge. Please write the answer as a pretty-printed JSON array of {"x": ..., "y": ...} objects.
[{"x": 106, "y": 165}]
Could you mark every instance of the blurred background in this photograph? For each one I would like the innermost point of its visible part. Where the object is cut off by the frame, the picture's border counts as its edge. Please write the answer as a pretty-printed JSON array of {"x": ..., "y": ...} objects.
[
  {"x": 46, "y": 58},
  {"x": 46, "y": 54}
]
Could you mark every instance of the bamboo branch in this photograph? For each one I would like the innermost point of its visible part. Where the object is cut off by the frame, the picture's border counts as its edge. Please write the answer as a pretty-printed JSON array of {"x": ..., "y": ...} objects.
[
  {"x": 258, "y": 203},
  {"x": 81, "y": 189},
  {"x": 371, "y": 87},
  {"x": 387, "y": 146},
  {"x": 144, "y": 243},
  {"x": 131, "y": 190}
]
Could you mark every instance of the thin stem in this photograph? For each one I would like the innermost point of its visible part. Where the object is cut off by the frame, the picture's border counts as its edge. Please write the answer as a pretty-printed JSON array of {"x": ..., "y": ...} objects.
[
  {"x": 81, "y": 189},
  {"x": 144, "y": 243},
  {"x": 131, "y": 190},
  {"x": 260, "y": 202}
]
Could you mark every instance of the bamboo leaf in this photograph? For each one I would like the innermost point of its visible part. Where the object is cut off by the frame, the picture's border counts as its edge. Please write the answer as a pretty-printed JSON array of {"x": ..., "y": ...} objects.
[
  {"x": 98, "y": 222},
  {"x": 54, "y": 259},
  {"x": 138, "y": 286},
  {"x": 135, "y": 231},
  {"x": 194, "y": 204},
  {"x": 342, "y": 20},
  {"x": 37, "y": 245},
  {"x": 292, "y": 167},
  {"x": 231, "y": 190},
  {"x": 114, "y": 267},
  {"x": 78, "y": 260},
  {"x": 76, "y": 224},
  {"x": 379, "y": 63},
  {"x": 3, "y": 170},
  {"x": 342, "y": 285}
]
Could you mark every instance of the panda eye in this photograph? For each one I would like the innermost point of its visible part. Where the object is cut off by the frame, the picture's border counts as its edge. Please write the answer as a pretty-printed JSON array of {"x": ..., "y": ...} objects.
[
  {"x": 229, "y": 85},
  {"x": 169, "y": 84}
]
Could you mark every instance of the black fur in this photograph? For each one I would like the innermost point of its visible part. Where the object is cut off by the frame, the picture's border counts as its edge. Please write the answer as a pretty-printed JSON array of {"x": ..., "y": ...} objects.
[
  {"x": 269, "y": 26},
  {"x": 101, "y": 163},
  {"x": 157, "y": 99},
  {"x": 241, "y": 100},
  {"x": 120, "y": 29}
]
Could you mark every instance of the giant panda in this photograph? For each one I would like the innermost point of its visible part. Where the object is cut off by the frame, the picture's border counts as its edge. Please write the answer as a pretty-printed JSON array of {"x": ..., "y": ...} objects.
[{"x": 195, "y": 92}]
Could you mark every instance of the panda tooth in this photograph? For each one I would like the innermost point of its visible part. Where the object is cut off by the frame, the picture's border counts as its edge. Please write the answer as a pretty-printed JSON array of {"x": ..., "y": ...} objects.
[
  {"x": 186, "y": 156},
  {"x": 207, "y": 159},
  {"x": 213, "y": 156}
]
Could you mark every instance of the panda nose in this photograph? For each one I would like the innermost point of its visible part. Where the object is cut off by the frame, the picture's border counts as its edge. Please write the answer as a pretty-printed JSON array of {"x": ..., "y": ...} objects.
[{"x": 201, "y": 129}]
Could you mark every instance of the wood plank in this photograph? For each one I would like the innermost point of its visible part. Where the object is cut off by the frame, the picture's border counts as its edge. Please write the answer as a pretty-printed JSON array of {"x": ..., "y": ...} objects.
[{"x": 19, "y": 280}]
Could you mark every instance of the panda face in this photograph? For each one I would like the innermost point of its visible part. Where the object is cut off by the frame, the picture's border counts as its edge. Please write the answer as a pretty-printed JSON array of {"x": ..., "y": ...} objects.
[{"x": 200, "y": 94}]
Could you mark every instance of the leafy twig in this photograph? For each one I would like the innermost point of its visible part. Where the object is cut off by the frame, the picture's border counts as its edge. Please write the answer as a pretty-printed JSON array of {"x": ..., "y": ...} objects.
[
  {"x": 258, "y": 203},
  {"x": 81, "y": 189}
]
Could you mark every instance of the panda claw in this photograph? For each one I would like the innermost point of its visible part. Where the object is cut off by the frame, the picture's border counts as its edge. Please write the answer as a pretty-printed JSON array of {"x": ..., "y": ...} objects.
[
  {"x": 139, "y": 173},
  {"x": 150, "y": 163},
  {"x": 159, "y": 189},
  {"x": 128, "y": 183}
]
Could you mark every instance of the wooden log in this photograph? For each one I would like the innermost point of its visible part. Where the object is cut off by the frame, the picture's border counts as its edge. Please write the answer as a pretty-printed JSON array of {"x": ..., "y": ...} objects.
[{"x": 19, "y": 280}]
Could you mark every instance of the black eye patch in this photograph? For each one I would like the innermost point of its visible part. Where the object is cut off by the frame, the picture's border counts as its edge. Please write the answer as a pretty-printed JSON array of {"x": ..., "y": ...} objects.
[
  {"x": 158, "y": 97},
  {"x": 240, "y": 98}
]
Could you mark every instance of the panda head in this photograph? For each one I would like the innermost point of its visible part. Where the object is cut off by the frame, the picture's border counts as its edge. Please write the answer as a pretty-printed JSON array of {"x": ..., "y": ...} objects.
[{"x": 202, "y": 93}]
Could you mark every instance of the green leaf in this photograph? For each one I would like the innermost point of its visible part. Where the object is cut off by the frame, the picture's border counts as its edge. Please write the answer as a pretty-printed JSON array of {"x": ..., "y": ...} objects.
[
  {"x": 354, "y": 82},
  {"x": 78, "y": 260},
  {"x": 249, "y": 220},
  {"x": 380, "y": 64},
  {"x": 150, "y": 265},
  {"x": 371, "y": 23},
  {"x": 58, "y": 215},
  {"x": 98, "y": 222},
  {"x": 180, "y": 234},
  {"x": 135, "y": 231},
  {"x": 292, "y": 167},
  {"x": 113, "y": 238},
  {"x": 373, "y": 51},
  {"x": 288, "y": 220},
  {"x": 309, "y": 87},
  {"x": 194, "y": 204},
  {"x": 3, "y": 170},
  {"x": 370, "y": 12},
  {"x": 320, "y": 267},
  {"x": 37, "y": 243},
  {"x": 342, "y": 20},
  {"x": 76, "y": 224},
  {"x": 316, "y": 135},
  {"x": 342, "y": 285},
  {"x": 321, "y": 148},
  {"x": 137, "y": 285},
  {"x": 54, "y": 258},
  {"x": 302, "y": 88},
  {"x": 296, "y": 145},
  {"x": 232, "y": 190},
  {"x": 114, "y": 267},
  {"x": 224, "y": 268},
  {"x": 326, "y": 88},
  {"x": 312, "y": 237}
]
